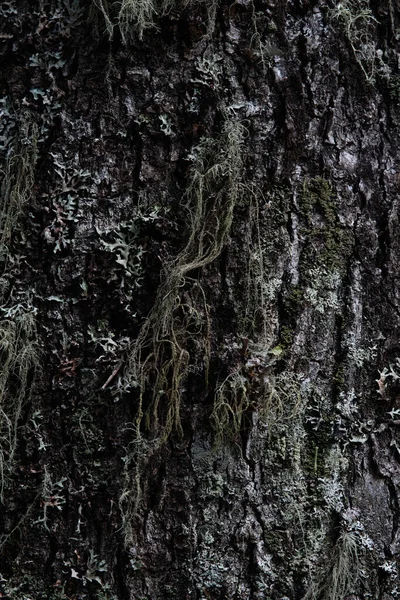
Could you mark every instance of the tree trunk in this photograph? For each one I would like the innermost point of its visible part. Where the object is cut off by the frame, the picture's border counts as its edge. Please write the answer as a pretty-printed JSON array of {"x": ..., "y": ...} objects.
[{"x": 199, "y": 307}]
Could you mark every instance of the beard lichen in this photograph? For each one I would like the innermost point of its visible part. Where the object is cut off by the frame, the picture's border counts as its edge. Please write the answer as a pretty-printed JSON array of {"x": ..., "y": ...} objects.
[
  {"x": 18, "y": 180},
  {"x": 176, "y": 335},
  {"x": 160, "y": 357},
  {"x": 343, "y": 571},
  {"x": 18, "y": 346},
  {"x": 134, "y": 17}
]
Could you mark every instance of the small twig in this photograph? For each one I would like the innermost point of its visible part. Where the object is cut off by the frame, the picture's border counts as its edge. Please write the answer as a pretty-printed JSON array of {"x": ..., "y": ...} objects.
[{"x": 113, "y": 374}]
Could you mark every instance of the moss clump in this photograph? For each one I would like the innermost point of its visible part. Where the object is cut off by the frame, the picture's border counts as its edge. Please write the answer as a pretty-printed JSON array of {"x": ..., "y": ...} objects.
[
  {"x": 315, "y": 192},
  {"x": 339, "y": 378},
  {"x": 328, "y": 243},
  {"x": 292, "y": 305},
  {"x": 286, "y": 335}
]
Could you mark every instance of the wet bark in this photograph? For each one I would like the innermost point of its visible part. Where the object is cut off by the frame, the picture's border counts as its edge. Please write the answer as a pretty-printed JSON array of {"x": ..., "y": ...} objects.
[{"x": 199, "y": 306}]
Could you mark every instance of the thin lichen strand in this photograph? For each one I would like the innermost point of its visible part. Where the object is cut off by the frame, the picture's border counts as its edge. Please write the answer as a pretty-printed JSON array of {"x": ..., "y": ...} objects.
[{"x": 254, "y": 319}]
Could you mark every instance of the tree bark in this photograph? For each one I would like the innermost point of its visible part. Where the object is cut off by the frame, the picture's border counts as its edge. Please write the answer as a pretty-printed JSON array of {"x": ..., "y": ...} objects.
[{"x": 199, "y": 307}]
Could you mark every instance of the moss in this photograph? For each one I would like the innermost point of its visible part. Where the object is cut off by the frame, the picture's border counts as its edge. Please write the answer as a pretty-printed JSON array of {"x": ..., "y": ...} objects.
[
  {"x": 338, "y": 246},
  {"x": 339, "y": 378},
  {"x": 286, "y": 336},
  {"x": 315, "y": 192},
  {"x": 291, "y": 307},
  {"x": 296, "y": 296},
  {"x": 328, "y": 243}
]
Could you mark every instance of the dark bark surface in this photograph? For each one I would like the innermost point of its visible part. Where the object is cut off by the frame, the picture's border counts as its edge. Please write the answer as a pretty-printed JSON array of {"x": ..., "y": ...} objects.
[{"x": 200, "y": 310}]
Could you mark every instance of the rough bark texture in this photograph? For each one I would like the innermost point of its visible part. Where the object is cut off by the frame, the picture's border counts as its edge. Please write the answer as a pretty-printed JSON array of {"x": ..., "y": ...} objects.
[{"x": 200, "y": 310}]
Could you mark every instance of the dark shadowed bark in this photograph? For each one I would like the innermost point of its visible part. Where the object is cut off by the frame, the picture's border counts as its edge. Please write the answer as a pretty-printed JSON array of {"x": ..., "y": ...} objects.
[{"x": 199, "y": 302}]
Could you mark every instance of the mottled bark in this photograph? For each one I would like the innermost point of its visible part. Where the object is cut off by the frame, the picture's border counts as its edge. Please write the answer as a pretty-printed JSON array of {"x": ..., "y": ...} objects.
[{"x": 200, "y": 307}]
